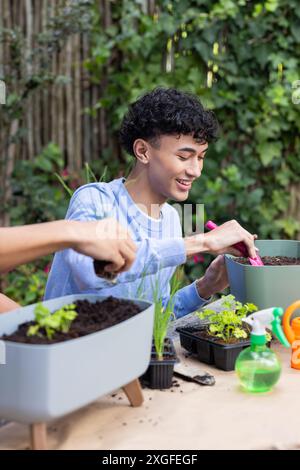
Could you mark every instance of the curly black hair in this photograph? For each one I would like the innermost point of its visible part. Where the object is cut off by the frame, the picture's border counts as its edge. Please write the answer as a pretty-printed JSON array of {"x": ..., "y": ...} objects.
[{"x": 167, "y": 111}]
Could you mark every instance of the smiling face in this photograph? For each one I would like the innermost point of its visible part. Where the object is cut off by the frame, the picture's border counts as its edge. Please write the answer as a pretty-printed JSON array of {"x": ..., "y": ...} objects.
[{"x": 172, "y": 164}]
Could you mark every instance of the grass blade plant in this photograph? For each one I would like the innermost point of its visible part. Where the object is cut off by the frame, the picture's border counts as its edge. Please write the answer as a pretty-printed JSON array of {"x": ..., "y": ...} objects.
[{"x": 163, "y": 313}]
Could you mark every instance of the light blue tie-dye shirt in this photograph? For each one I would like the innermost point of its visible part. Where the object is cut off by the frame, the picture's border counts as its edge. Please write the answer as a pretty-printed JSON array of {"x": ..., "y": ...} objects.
[{"x": 160, "y": 250}]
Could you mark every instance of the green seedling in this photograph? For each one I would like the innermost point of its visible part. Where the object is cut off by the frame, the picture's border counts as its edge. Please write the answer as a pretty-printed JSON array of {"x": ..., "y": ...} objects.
[
  {"x": 59, "y": 321},
  {"x": 228, "y": 323}
]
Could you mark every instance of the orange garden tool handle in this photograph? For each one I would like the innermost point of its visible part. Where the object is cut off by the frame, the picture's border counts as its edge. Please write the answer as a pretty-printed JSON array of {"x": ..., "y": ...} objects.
[
  {"x": 292, "y": 332},
  {"x": 289, "y": 331},
  {"x": 295, "y": 360}
]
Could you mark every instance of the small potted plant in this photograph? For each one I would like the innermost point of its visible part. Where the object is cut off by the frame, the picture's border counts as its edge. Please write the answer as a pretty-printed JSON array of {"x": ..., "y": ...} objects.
[
  {"x": 163, "y": 355},
  {"x": 68, "y": 352},
  {"x": 276, "y": 284},
  {"x": 226, "y": 335}
]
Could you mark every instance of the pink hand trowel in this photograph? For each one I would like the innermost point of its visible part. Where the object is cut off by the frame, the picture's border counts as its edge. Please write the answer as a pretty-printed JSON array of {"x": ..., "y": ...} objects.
[{"x": 239, "y": 246}]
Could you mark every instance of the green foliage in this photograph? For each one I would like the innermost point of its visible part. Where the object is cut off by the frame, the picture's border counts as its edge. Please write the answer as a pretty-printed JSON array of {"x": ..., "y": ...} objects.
[
  {"x": 59, "y": 321},
  {"x": 37, "y": 197},
  {"x": 69, "y": 20},
  {"x": 162, "y": 317},
  {"x": 89, "y": 176},
  {"x": 27, "y": 72},
  {"x": 26, "y": 284},
  {"x": 35, "y": 194},
  {"x": 228, "y": 323},
  {"x": 241, "y": 58}
]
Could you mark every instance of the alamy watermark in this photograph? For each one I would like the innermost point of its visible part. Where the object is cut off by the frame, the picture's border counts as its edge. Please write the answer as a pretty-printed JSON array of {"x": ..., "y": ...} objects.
[
  {"x": 2, "y": 353},
  {"x": 186, "y": 219},
  {"x": 2, "y": 92}
]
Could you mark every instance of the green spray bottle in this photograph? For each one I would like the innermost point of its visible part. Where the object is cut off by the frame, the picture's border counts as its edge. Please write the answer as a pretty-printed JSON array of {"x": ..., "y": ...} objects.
[{"x": 257, "y": 367}]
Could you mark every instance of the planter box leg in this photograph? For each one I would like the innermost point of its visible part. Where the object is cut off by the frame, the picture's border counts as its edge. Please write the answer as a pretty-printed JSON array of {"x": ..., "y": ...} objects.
[
  {"x": 38, "y": 436},
  {"x": 134, "y": 393}
]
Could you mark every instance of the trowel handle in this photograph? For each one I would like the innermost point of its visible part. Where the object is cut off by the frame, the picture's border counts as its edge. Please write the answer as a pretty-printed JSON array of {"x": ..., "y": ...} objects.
[
  {"x": 240, "y": 246},
  {"x": 291, "y": 330},
  {"x": 210, "y": 225}
]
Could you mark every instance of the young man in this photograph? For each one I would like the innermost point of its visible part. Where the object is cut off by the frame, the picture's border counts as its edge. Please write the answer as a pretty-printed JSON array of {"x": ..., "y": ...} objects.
[
  {"x": 105, "y": 240},
  {"x": 167, "y": 132}
]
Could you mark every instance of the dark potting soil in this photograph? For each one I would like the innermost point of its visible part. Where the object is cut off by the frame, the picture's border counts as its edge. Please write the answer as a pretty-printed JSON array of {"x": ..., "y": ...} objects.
[
  {"x": 91, "y": 317},
  {"x": 273, "y": 261},
  {"x": 100, "y": 271}
]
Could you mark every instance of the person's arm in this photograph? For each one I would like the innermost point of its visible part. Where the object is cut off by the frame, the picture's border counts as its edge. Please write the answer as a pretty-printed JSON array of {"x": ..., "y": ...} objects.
[
  {"x": 88, "y": 203},
  {"x": 151, "y": 254},
  {"x": 20, "y": 245},
  {"x": 199, "y": 293},
  {"x": 6, "y": 304}
]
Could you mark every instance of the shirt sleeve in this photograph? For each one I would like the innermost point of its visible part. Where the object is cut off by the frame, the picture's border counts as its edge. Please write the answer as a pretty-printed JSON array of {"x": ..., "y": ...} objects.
[
  {"x": 152, "y": 255},
  {"x": 187, "y": 300}
]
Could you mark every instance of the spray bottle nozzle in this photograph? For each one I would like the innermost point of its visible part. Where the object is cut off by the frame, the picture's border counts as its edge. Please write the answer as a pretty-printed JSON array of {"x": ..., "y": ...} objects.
[
  {"x": 277, "y": 313},
  {"x": 268, "y": 318}
]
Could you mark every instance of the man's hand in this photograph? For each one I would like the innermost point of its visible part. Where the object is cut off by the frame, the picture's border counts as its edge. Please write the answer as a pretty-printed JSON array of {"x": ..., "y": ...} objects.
[
  {"x": 214, "y": 280},
  {"x": 106, "y": 240},
  {"x": 221, "y": 239}
]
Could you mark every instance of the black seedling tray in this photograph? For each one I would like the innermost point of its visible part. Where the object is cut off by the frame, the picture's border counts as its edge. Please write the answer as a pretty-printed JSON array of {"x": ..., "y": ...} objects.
[{"x": 223, "y": 356}]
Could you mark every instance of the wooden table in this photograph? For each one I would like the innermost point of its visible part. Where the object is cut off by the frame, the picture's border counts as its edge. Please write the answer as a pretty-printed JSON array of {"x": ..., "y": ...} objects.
[{"x": 189, "y": 416}]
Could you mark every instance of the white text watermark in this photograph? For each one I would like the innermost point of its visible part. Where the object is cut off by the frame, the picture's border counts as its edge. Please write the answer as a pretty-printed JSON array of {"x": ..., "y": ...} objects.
[
  {"x": 2, "y": 92},
  {"x": 2, "y": 353},
  {"x": 296, "y": 92},
  {"x": 180, "y": 220}
]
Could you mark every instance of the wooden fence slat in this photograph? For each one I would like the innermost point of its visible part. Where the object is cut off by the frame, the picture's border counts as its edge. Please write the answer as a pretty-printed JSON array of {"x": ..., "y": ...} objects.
[
  {"x": 56, "y": 113},
  {"x": 69, "y": 107},
  {"x": 86, "y": 118},
  {"x": 29, "y": 69},
  {"x": 77, "y": 101}
]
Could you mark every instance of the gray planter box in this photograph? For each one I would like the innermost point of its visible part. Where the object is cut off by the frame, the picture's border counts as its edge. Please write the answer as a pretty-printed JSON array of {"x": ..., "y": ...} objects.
[
  {"x": 42, "y": 382},
  {"x": 267, "y": 286}
]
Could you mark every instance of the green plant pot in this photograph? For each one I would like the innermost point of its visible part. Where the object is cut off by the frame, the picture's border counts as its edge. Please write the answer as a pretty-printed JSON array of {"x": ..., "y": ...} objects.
[{"x": 266, "y": 286}]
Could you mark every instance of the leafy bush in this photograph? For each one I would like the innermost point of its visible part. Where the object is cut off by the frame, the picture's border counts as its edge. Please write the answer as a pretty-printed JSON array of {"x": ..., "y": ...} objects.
[
  {"x": 26, "y": 284},
  {"x": 37, "y": 196}
]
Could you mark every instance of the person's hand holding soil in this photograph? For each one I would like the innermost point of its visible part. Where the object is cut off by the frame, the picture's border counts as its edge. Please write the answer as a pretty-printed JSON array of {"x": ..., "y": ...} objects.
[
  {"x": 102, "y": 240},
  {"x": 106, "y": 240}
]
